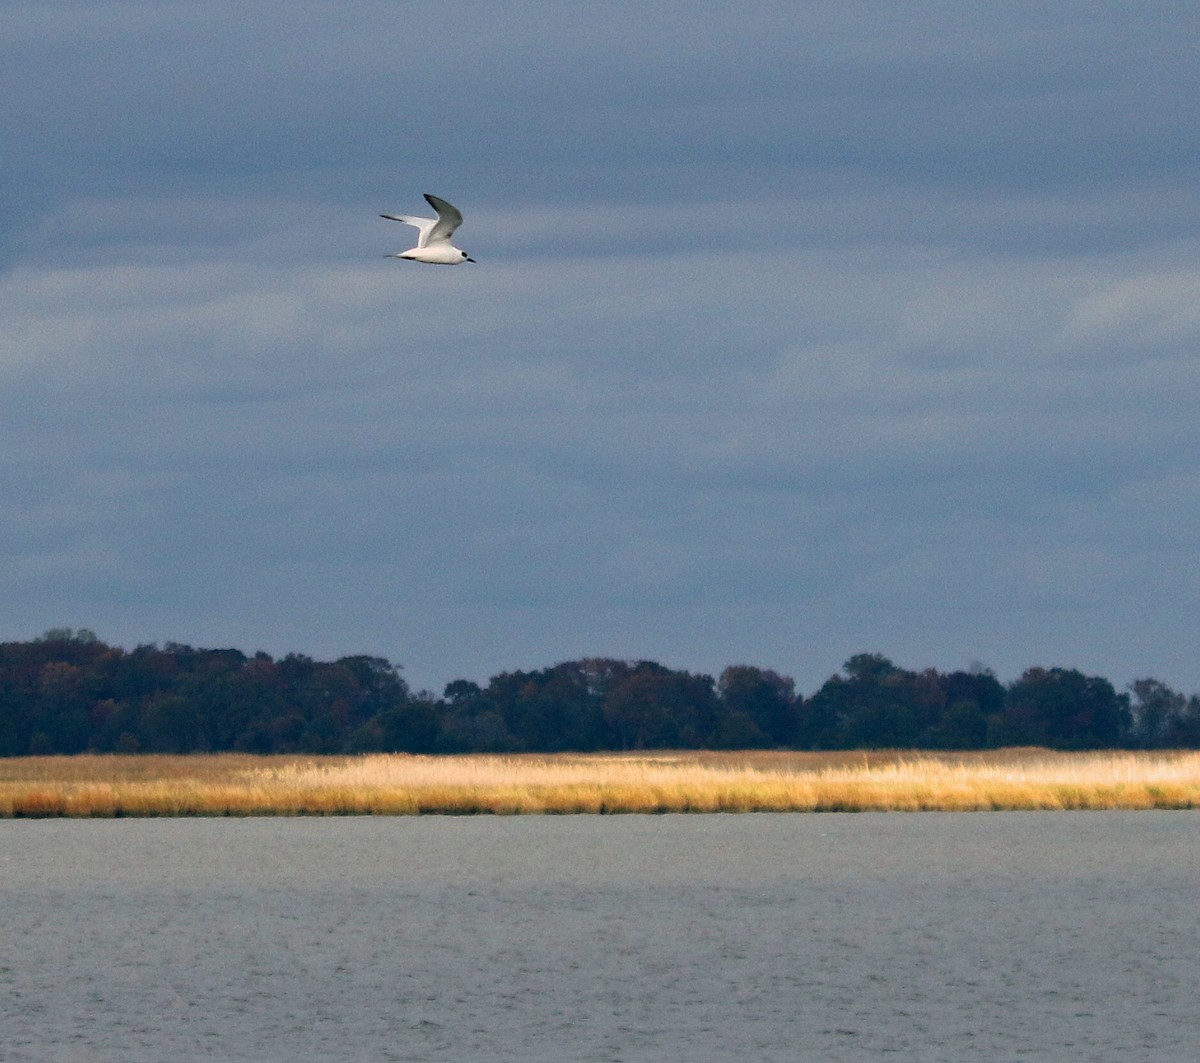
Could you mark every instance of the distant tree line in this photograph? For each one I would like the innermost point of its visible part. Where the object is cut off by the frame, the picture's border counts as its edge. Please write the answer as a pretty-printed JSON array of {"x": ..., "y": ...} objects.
[{"x": 69, "y": 692}]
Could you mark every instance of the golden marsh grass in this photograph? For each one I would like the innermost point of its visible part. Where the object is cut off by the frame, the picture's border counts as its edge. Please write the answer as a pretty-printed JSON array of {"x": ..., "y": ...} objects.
[{"x": 241, "y": 785}]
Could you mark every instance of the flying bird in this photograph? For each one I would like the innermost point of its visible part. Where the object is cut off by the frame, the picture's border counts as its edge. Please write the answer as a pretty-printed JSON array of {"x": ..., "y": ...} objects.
[{"x": 433, "y": 235}]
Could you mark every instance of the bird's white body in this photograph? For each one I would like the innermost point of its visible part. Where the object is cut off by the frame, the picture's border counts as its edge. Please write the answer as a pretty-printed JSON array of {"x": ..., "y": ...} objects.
[{"x": 433, "y": 235}]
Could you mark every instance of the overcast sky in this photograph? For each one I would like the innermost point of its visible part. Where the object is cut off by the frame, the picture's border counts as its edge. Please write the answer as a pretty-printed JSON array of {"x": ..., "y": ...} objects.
[{"x": 797, "y": 331}]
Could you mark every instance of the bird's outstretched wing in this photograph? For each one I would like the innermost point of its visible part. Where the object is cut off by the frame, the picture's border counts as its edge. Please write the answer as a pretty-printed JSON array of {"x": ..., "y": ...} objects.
[
  {"x": 449, "y": 218},
  {"x": 424, "y": 225}
]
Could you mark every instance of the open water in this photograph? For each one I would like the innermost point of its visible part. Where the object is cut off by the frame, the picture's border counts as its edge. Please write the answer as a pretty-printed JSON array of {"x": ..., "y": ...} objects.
[{"x": 926, "y": 937}]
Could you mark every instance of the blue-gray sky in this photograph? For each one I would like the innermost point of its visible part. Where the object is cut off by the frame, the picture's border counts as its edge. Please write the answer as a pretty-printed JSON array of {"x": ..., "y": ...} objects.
[{"x": 797, "y": 330}]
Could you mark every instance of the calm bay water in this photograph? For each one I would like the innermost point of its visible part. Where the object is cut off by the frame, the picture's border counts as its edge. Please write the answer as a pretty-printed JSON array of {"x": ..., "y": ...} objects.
[{"x": 1043, "y": 936}]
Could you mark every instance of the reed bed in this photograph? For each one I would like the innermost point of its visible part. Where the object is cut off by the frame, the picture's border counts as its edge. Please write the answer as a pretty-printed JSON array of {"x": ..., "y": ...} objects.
[{"x": 240, "y": 785}]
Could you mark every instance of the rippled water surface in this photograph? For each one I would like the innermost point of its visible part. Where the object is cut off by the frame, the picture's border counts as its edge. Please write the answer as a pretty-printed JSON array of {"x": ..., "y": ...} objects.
[{"x": 1011, "y": 936}]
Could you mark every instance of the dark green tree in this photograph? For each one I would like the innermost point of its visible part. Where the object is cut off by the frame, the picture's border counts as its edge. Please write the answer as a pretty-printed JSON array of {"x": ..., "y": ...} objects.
[
  {"x": 1064, "y": 709},
  {"x": 764, "y": 699},
  {"x": 1155, "y": 710}
]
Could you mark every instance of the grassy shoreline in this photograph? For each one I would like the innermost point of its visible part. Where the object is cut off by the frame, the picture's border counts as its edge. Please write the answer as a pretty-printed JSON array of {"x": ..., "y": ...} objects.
[{"x": 756, "y": 781}]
